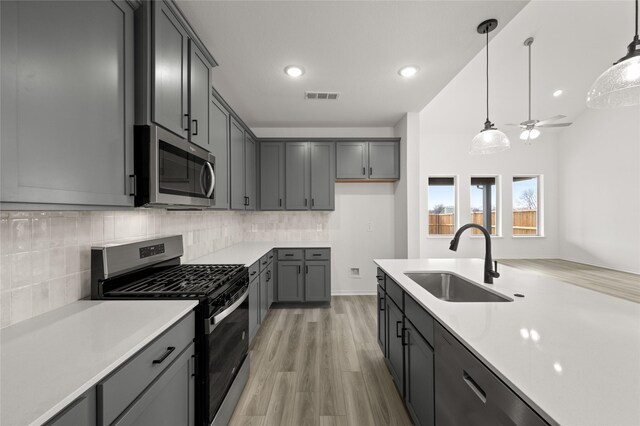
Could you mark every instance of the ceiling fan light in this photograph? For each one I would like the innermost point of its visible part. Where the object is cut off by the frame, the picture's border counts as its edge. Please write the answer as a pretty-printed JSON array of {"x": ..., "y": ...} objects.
[
  {"x": 524, "y": 135},
  {"x": 619, "y": 86},
  {"x": 534, "y": 133},
  {"x": 489, "y": 142}
]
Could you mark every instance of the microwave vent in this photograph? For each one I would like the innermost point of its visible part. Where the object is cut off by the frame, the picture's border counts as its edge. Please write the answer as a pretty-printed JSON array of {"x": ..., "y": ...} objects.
[{"x": 323, "y": 96}]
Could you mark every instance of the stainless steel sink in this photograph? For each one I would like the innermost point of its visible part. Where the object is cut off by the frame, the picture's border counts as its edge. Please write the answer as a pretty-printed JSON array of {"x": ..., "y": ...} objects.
[{"x": 452, "y": 288}]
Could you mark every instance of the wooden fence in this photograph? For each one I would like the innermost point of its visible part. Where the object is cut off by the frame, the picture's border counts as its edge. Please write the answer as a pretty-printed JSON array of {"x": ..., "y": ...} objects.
[{"x": 525, "y": 222}]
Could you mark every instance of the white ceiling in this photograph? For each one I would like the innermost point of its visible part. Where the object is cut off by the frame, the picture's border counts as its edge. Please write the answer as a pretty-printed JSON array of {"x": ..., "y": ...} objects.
[
  {"x": 352, "y": 47},
  {"x": 575, "y": 41}
]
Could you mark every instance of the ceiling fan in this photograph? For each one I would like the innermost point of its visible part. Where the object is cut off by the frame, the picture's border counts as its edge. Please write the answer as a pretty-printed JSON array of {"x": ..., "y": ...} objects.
[{"x": 530, "y": 127}]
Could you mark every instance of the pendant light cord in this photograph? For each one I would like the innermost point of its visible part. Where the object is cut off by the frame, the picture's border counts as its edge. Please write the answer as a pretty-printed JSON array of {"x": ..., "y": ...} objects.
[
  {"x": 529, "y": 81},
  {"x": 636, "y": 19},
  {"x": 487, "y": 32}
]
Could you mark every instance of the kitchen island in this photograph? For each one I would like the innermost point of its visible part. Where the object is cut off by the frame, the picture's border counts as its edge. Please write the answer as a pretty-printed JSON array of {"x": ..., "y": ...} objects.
[{"x": 571, "y": 354}]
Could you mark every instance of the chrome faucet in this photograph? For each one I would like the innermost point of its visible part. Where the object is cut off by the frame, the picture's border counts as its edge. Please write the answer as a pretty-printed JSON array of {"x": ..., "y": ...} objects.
[{"x": 489, "y": 273}]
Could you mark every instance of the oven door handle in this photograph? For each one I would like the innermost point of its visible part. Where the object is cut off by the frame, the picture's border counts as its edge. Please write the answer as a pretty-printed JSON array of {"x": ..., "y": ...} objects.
[{"x": 212, "y": 322}]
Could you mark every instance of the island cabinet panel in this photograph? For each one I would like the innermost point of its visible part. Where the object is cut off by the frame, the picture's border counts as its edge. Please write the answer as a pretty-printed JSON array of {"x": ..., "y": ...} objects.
[
  {"x": 395, "y": 348},
  {"x": 67, "y": 109},
  {"x": 82, "y": 411},
  {"x": 219, "y": 138},
  {"x": 419, "y": 377},
  {"x": 272, "y": 172},
  {"x": 468, "y": 393},
  {"x": 382, "y": 321}
]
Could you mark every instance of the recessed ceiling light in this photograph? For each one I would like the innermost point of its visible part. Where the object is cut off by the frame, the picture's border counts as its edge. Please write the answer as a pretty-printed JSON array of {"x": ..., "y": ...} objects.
[
  {"x": 557, "y": 93},
  {"x": 408, "y": 71},
  {"x": 294, "y": 71}
]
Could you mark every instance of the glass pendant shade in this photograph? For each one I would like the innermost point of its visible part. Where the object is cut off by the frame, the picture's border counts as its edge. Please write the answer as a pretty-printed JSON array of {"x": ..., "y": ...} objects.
[
  {"x": 529, "y": 135},
  {"x": 489, "y": 141},
  {"x": 619, "y": 86}
]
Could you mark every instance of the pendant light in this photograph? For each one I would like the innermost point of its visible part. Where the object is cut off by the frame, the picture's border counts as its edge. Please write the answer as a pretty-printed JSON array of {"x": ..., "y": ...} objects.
[
  {"x": 619, "y": 86},
  {"x": 490, "y": 139}
]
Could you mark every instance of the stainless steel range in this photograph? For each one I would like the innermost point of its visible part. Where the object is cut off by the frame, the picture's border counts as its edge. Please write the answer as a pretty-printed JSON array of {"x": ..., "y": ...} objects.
[{"x": 151, "y": 270}]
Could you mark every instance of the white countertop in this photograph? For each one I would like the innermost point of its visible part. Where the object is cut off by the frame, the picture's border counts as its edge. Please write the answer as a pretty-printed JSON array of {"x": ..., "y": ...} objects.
[
  {"x": 573, "y": 354},
  {"x": 249, "y": 252},
  {"x": 50, "y": 360}
]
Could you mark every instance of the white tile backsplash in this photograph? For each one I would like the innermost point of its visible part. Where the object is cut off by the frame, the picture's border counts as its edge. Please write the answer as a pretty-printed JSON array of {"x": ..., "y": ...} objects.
[{"x": 45, "y": 257}]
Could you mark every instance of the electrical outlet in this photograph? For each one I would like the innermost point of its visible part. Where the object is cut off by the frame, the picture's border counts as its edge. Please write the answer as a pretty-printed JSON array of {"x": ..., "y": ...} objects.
[
  {"x": 318, "y": 227},
  {"x": 369, "y": 226},
  {"x": 354, "y": 273},
  {"x": 254, "y": 227}
]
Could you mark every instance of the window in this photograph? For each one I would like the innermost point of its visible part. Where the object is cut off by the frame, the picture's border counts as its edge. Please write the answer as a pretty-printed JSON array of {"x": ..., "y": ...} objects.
[
  {"x": 525, "y": 205},
  {"x": 442, "y": 205},
  {"x": 483, "y": 204}
]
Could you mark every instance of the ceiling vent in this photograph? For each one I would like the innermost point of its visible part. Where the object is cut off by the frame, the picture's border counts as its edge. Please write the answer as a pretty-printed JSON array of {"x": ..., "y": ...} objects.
[{"x": 322, "y": 95}]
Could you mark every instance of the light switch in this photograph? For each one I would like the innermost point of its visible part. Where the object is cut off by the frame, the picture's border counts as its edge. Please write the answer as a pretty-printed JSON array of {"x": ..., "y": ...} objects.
[{"x": 369, "y": 226}]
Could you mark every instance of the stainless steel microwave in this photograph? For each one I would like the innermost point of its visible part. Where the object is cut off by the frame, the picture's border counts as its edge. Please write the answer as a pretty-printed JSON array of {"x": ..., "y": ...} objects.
[{"x": 170, "y": 172}]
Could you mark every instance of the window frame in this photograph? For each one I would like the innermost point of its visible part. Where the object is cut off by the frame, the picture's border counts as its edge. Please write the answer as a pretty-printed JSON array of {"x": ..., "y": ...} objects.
[
  {"x": 540, "y": 206},
  {"x": 456, "y": 207},
  {"x": 498, "y": 179}
]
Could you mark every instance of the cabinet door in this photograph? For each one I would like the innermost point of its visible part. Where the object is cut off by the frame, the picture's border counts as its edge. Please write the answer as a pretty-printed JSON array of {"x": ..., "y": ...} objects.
[
  {"x": 238, "y": 200},
  {"x": 169, "y": 401},
  {"x": 250, "y": 172},
  {"x": 290, "y": 279},
  {"x": 384, "y": 160},
  {"x": 297, "y": 176},
  {"x": 395, "y": 349},
  {"x": 67, "y": 105},
  {"x": 219, "y": 147},
  {"x": 468, "y": 393},
  {"x": 271, "y": 175},
  {"x": 264, "y": 295},
  {"x": 170, "y": 70},
  {"x": 270, "y": 285},
  {"x": 199, "y": 89},
  {"x": 322, "y": 165},
  {"x": 419, "y": 377},
  {"x": 82, "y": 411},
  {"x": 351, "y": 160},
  {"x": 254, "y": 307},
  {"x": 317, "y": 281},
  {"x": 382, "y": 321}
]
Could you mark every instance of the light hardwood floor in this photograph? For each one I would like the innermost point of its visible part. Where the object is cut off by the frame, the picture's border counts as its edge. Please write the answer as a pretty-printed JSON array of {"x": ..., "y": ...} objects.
[
  {"x": 320, "y": 366},
  {"x": 608, "y": 281}
]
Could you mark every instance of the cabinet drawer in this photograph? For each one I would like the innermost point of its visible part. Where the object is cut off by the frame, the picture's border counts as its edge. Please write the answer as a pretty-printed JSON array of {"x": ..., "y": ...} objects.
[
  {"x": 264, "y": 261},
  {"x": 117, "y": 391},
  {"x": 380, "y": 276},
  {"x": 422, "y": 321},
  {"x": 395, "y": 292},
  {"x": 270, "y": 256},
  {"x": 254, "y": 270},
  {"x": 317, "y": 254},
  {"x": 290, "y": 254}
]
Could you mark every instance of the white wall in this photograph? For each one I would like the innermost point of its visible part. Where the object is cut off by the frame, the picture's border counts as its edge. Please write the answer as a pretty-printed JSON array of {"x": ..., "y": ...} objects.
[{"x": 600, "y": 189}]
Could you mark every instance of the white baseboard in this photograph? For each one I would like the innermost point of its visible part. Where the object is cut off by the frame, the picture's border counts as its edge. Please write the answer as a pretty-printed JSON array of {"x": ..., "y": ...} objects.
[{"x": 353, "y": 293}]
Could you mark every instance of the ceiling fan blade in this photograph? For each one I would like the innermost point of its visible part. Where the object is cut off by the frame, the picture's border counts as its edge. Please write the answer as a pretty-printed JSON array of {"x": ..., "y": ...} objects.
[
  {"x": 554, "y": 118},
  {"x": 513, "y": 125},
  {"x": 556, "y": 125}
]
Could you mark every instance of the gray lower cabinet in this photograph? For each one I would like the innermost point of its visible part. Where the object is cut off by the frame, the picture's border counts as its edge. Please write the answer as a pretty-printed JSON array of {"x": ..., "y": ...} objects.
[
  {"x": 254, "y": 307},
  {"x": 468, "y": 393},
  {"x": 378, "y": 160},
  {"x": 382, "y": 320},
  {"x": 317, "y": 281},
  {"x": 270, "y": 284},
  {"x": 67, "y": 108},
  {"x": 272, "y": 173},
  {"x": 82, "y": 411},
  {"x": 264, "y": 295},
  {"x": 395, "y": 346},
  {"x": 419, "y": 377},
  {"x": 297, "y": 175},
  {"x": 322, "y": 172},
  {"x": 169, "y": 401},
  {"x": 290, "y": 281},
  {"x": 219, "y": 139}
]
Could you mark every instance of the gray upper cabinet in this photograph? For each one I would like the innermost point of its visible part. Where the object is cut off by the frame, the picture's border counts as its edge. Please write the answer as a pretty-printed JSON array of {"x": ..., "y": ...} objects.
[
  {"x": 297, "y": 175},
  {"x": 199, "y": 88},
  {"x": 67, "y": 103},
  {"x": 322, "y": 172},
  {"x": 250, "y": 172},
  {"x": 170, "y": 71},
  {"x": 219, "y": 139},
  {"x": 379, "y": 160},
  {"x": 236, "y": 162},
  {"x": 272, "y": 172},
  {"x": 384, "y": 160}
]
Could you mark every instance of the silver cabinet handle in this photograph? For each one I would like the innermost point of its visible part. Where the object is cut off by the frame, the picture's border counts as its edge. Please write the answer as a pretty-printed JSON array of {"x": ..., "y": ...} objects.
[{"x": 213, "y": 179}]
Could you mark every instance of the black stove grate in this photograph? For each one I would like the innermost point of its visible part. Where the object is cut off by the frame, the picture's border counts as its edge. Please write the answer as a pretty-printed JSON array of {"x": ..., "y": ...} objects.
[{"x": 182, "y": 280}]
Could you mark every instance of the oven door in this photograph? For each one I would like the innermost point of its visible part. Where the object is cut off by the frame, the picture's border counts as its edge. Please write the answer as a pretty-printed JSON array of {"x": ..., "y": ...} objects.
[
  {"x": 180, "y": 173},
  {"x": 228, "y": 342}
]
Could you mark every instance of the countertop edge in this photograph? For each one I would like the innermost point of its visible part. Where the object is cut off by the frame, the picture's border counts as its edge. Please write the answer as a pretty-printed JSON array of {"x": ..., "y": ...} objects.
[{"x": 56, "y": 409}]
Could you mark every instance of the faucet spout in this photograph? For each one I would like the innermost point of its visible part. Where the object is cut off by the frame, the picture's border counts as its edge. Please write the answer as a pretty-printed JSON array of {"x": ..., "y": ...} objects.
[{"x": 489, "y": 272}]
